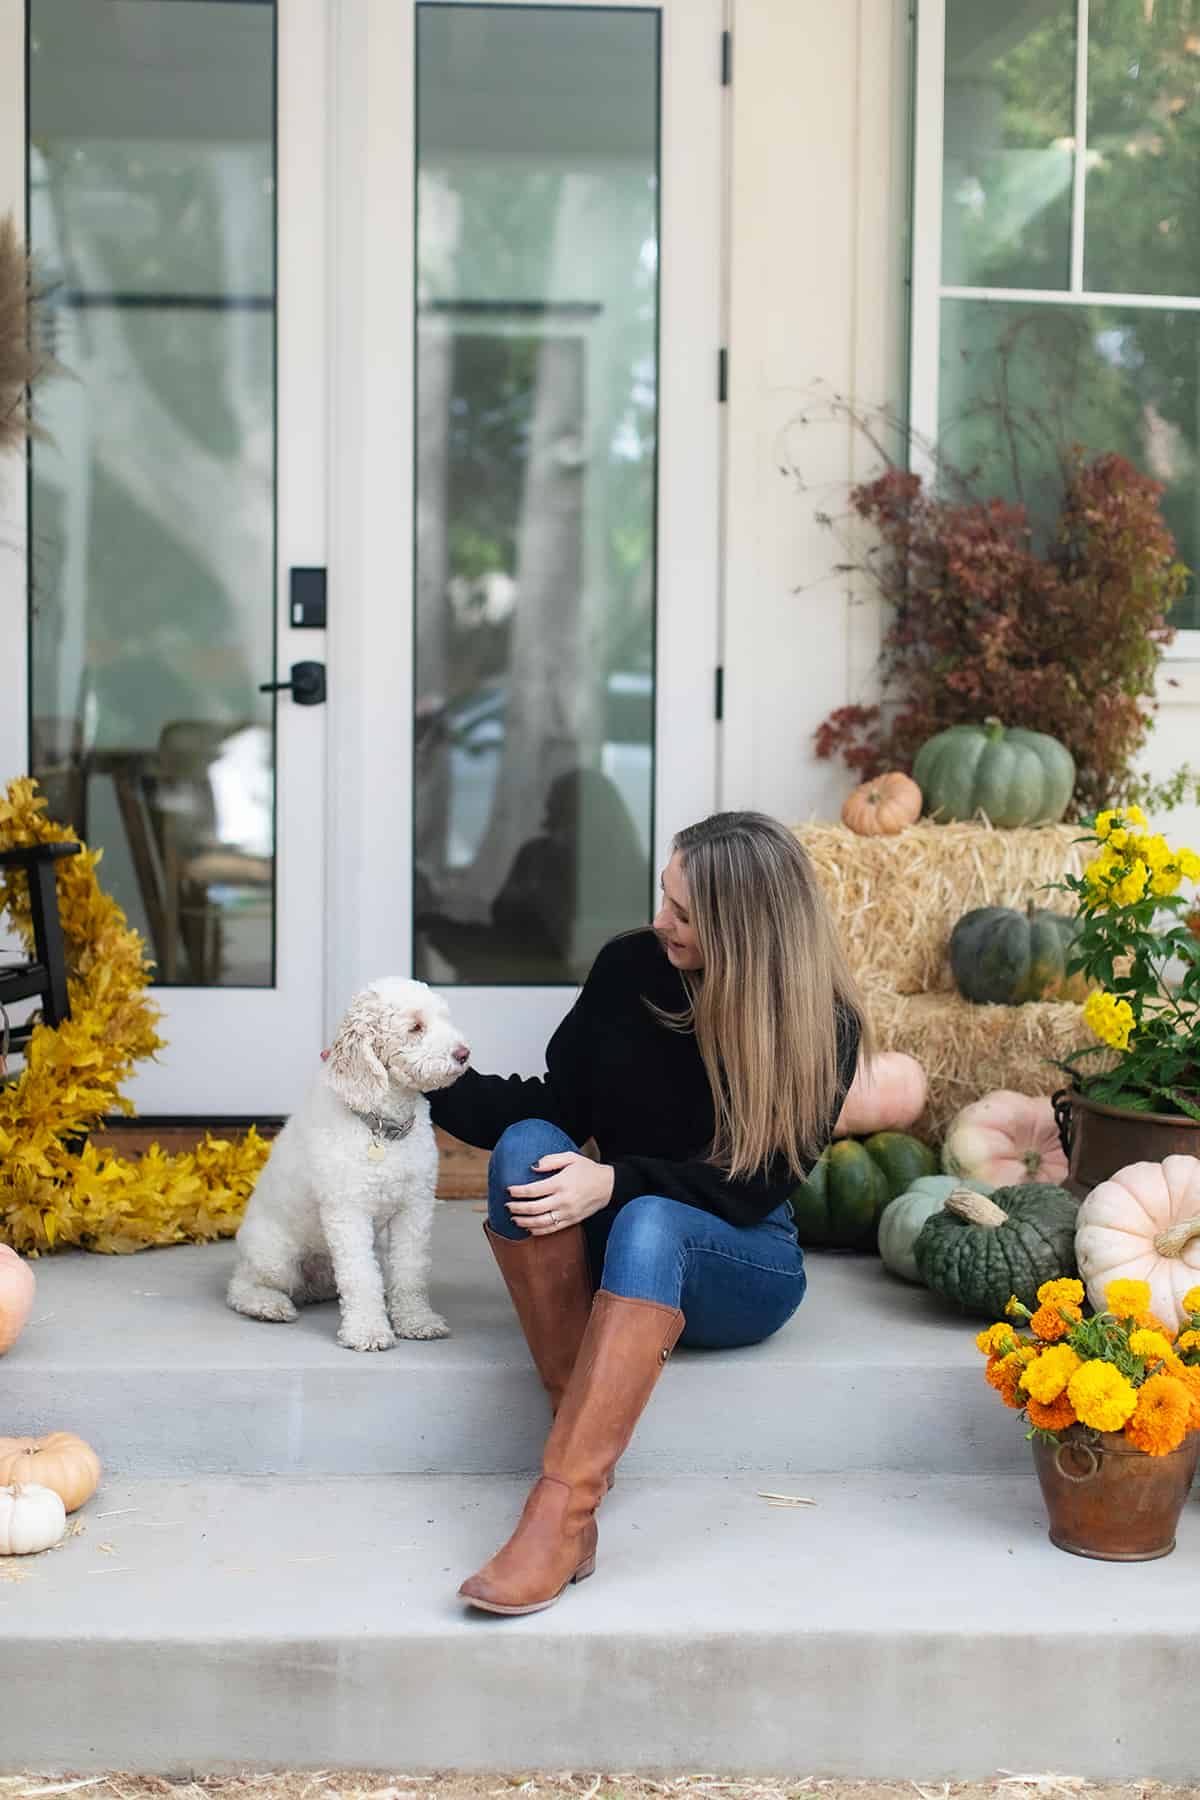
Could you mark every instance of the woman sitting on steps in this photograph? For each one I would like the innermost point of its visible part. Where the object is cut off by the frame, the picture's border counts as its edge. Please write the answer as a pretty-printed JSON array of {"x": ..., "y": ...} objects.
[{"x": 708, "y": 1057}]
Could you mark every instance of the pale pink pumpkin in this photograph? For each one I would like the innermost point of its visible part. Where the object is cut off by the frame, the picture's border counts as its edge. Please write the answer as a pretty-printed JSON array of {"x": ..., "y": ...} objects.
[
  {"x": 1005, "y": 1138},
  {"x": 16, "y": 1296},
  {"x": 888, "y": 1094},
  {"x": 1143, "y": 1224}
]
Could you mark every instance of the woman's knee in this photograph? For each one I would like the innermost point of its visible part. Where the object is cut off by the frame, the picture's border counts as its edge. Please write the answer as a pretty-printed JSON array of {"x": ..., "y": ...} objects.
[
  {"x": 644, "y": 1258},
  {"x": 511, "y": 1165}
]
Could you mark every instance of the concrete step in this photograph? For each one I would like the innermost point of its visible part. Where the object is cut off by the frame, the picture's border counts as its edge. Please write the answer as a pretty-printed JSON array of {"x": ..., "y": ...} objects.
[
  {"x": 143, "y": 1356},
  {"x": 903, "y": 1624}
]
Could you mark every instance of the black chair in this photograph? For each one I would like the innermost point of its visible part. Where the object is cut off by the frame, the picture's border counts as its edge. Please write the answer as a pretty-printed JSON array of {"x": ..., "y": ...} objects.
[{"x": 46, "y": 975}]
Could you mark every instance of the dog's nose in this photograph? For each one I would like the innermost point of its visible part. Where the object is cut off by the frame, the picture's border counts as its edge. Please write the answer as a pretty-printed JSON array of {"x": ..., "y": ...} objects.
[{"x": 462, "y": 1053}]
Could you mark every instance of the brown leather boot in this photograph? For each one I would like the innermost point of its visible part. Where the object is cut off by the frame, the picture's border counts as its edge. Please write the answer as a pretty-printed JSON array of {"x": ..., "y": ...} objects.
[
  {"x": 624, "y": 1348},
  {"x": 550, "y": 1285}
]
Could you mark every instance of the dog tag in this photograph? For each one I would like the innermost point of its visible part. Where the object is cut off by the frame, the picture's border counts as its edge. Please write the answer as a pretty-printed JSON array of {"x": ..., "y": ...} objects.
[{"x": 376, "y": 1151}]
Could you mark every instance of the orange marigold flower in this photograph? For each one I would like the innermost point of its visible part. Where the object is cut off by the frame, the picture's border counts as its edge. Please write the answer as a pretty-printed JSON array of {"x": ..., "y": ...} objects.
[
  {"x": 1148, "y": 1321},
  {"x": 1162, "y": 1417},
  {"x": 1004, "y": 1372},
  {"x": 1050, "y": 1323},
  {"x": 1054, "y": 1417},
  {"x": 1190, "y": 1377}
]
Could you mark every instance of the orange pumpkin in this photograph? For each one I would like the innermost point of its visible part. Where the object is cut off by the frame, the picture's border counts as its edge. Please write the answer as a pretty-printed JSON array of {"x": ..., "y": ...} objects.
[
  {"x": 882, "y": 807},
  {"x": 61, "y": 1461},
  {"x": 16, "y": 1296},
  {"x": 887, "y": 1094}
]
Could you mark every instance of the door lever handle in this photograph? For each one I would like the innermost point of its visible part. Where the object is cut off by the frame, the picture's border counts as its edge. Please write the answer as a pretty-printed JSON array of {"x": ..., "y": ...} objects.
[{"x": 307, "y": 684}]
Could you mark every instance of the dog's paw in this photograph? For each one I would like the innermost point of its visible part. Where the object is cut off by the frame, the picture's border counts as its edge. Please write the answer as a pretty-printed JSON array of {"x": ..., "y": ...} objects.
[
  {"x": 366, "y": 1337},
  {"x": 264, "y": 1303},
  {"x": 426, "y": 1324}
]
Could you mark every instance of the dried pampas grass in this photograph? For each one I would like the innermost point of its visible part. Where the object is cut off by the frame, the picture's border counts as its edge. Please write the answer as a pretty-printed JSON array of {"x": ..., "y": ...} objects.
[
  {"x": 967, "y": 1051},
  {"x": 24, "y": 356},
  {"x": 897, "y": 899}
]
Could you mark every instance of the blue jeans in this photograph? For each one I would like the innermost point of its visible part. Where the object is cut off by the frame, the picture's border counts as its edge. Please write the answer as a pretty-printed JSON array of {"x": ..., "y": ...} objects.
[{"x": 734, "y": 1284}]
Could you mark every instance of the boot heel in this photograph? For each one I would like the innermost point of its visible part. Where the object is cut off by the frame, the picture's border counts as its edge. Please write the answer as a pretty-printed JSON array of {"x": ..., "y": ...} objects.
[{"x": 585, "y": 1569}]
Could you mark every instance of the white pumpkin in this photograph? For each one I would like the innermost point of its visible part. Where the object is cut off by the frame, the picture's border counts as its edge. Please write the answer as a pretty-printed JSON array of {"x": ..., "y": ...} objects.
[
  {"x": 32, "y": 1518},
  {"x": 1143, "y": 1224},
  {"x": 1007, "y": 1139}
]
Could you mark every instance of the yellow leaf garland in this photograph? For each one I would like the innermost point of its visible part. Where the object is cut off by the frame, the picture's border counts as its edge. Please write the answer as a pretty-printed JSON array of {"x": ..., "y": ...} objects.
[{"x": 56, "y": 1190}]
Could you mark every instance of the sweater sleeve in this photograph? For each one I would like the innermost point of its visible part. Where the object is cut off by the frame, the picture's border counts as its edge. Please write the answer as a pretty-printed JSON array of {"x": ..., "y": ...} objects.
[
  {"x": 702, "y": 1184},
  {"x": 480, "y": 1108}
]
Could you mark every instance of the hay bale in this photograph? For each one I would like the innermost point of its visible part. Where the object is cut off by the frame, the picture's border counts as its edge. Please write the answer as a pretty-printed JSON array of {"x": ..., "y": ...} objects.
[
  {"x": 897, "y": 899},
  {"x": 968, "y": 1051}
]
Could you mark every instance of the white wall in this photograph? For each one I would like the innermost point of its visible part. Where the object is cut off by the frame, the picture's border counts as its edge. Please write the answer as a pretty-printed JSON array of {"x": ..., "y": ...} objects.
[{"x": 817, "y": 306}]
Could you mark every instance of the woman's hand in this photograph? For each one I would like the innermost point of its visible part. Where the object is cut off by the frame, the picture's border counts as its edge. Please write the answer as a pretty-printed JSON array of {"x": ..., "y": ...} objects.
[{"x": 577, "y": 1188}]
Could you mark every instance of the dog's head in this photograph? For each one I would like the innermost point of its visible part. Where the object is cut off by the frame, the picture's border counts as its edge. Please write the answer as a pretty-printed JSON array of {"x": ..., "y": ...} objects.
[{"x": 396, "y": 1034}]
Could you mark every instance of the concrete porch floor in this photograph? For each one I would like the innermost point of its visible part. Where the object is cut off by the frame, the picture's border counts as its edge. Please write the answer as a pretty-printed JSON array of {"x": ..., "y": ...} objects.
[{"x": 267, "y": 1576}]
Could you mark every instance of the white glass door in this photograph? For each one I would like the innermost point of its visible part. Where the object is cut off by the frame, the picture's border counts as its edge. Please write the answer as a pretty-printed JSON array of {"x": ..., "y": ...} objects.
[
  {"x": 526, "y": 486},
  {"x": 167, "y": 163}
]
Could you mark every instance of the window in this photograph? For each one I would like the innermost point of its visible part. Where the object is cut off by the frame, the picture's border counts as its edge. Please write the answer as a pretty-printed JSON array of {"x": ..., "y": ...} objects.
[{"x": 1056, "y": 269}]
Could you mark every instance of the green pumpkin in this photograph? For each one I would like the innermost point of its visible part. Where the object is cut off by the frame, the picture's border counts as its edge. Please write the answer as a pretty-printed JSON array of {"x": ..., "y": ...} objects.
[
  {"x": 904, "y": 1216},
  {"x": 1015, "y": 777},
  {"x": 1001, "y": 957},
  {"x": 840, "y": 1204},
  {"x": 978, "y": 1252}
]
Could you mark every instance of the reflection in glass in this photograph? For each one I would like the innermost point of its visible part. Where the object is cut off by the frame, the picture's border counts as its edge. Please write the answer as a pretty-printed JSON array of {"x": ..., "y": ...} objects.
[
  {"x": 536, "y": 438},
  {"x": 1033, "y": 380},
  {"x": 1009, "y": 144},
  {"x": 152, "y": 518},
  {"x": 1143, "y": 147}
]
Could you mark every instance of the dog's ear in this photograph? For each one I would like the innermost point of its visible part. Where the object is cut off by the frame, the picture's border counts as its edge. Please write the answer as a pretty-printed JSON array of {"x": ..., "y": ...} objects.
[{"x": 355, "y": 1072}]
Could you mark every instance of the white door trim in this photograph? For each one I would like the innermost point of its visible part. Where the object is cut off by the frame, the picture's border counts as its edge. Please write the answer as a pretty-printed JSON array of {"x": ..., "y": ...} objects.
[{"x": 14, "y": 625}]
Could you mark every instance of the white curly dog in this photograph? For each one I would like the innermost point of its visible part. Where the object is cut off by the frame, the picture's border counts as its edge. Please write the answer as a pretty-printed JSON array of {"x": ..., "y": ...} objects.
[{"x": 351, "y": 1177}]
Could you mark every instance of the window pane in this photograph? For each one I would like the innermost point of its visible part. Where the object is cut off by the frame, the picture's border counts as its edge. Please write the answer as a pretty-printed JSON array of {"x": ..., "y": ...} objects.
[
  {"x": 1143, "y": 175},
  {"x": 1030, "y": 381},
  {"x": 152, "y": 521},
  {"x": 536, "y": 439},
  {"x": 1009, "y": 144}
]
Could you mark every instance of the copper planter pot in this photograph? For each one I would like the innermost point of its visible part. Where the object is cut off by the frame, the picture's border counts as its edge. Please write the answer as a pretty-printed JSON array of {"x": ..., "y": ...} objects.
[
  {"x": 1109, "y": 1501},
  {"x": 1098, "y": 1140}
]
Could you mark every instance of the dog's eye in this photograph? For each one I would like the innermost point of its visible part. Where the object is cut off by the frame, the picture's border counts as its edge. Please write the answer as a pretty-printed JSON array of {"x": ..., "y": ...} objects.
[{"x": 416, "y": 1028}]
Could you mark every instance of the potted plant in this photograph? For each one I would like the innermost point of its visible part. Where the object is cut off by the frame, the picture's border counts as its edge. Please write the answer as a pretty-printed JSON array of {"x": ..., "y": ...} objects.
[
  {"x": 1113, "y": 1404},
  {"x": 1138, "y": 940}
]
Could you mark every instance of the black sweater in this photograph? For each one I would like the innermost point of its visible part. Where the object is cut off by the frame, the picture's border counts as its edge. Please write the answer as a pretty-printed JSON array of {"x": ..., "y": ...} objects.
[{"x": 613, "y": 1072}]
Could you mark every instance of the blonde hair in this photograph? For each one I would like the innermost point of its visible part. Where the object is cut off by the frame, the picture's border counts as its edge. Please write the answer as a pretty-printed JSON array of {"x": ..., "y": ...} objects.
[{"x": 764, "y": 1005}]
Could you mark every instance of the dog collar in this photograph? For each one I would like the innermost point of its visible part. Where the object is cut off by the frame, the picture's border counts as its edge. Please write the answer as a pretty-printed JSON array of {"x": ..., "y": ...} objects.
[{"x": 383, "y": 1130}]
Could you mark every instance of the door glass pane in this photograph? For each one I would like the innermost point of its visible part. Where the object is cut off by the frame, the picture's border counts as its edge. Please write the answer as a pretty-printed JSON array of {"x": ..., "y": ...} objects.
[
  {"x": 1020, "y": 384},
  {"x": 1143, "y": 147},
  {"x": 152, "y": 178},
  {"x": 536, "y": 443},
  {"x": 1009, "y": 148}
]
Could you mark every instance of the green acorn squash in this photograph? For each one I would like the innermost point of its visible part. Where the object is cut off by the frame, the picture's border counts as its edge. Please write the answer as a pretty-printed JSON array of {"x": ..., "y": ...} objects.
[
  {"x": 1015, "y": 777},
  {"x": 904, "y": 1216},
  {"x": 978, "y": 1252},
  {"x": 1001, "y": 957},
  {"x": 840, "y": 1203}
]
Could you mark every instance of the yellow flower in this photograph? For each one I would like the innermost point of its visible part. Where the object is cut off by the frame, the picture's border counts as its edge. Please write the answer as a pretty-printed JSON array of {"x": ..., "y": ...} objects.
[
  {"x": 1167, "y": 882},
  {"x": 997, "y": 1340},
  {"x": 1104, "y": 821},
  {"x": 1004, "y": 1374},
  {"x": 1066, "y": 1291},
  {"x": 1133, "y": 815},
  {"x": 1132, "y": 885},
  {"x": 1016, "y": 1309},
  {"x": 1162, "y": 1416},
  {"x": 1151, "y": 1346},
  {"x": 1101, "y": 867},
  {"x": 1189, "y": 864},
  {"x": 1110, "y": 1019},
  {"x": 1188, "y": 1340},
  {"x": 1101, "y": 1396},
  {"x": 1155, "y": 851},
  {"x": 1125, "y": 1299},
  {"x": 1191, "y": 1300},
  {"x": 1047, "y": 1378}
]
